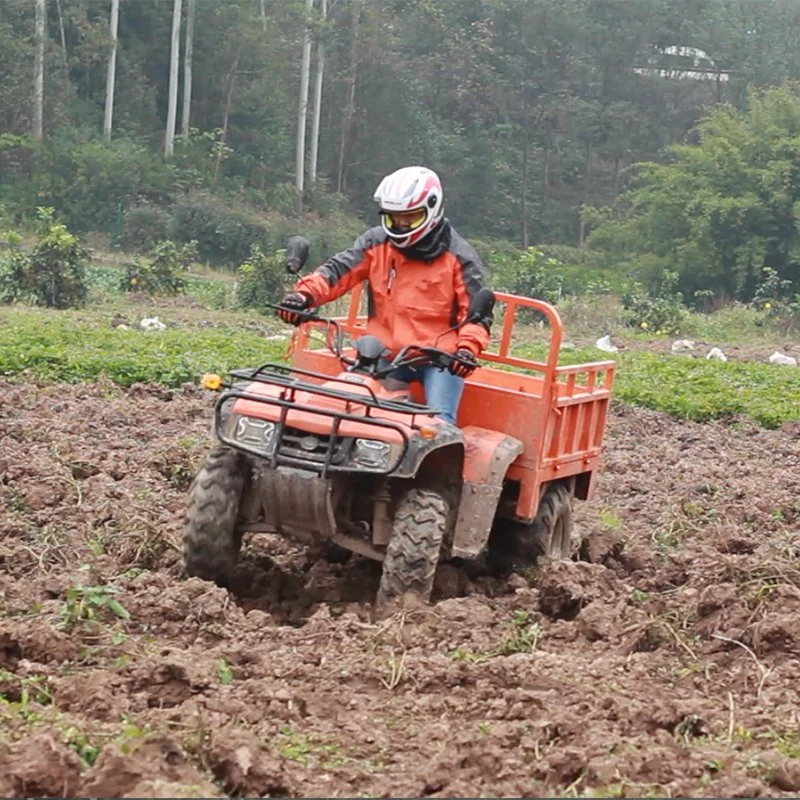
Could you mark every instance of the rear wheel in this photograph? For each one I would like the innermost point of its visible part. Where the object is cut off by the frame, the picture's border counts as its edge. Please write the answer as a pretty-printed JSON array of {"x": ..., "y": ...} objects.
[
  {"x": 211, "y": 544},
  {"x": 419, "y": 526},
  {"x": 550, "y": 533}
]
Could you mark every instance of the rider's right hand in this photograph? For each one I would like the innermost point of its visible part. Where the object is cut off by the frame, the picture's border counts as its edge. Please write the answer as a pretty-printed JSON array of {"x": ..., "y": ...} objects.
[{"x": 293, "y": 303}]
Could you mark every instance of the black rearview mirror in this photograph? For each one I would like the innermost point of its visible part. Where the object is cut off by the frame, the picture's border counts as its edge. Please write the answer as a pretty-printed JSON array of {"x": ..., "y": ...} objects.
[
  {"x": 296, "y": 254},
  {"x": 481, "y": 306}
]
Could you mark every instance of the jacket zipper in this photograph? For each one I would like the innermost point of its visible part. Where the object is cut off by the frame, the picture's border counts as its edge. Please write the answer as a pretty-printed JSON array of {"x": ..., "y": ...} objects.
[{"x": 390, "y": 281}]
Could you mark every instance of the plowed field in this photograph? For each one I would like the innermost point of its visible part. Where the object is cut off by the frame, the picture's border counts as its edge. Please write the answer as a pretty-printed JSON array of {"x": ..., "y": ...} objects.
[{"x": 663, "y": 661}]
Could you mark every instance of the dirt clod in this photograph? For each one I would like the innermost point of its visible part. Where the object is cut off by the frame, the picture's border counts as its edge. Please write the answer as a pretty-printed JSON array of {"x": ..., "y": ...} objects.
[{"x": 40, "y": 765}]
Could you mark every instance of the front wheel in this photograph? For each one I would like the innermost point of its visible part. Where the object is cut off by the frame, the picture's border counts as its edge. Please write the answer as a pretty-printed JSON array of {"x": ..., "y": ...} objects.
[
  {"x": 211, "y": 543},
  {"x": 420, "y": 521}
]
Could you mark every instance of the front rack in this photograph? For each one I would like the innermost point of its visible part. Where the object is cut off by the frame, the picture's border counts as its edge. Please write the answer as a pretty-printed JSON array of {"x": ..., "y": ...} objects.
[{"x": 281, "y": 375}]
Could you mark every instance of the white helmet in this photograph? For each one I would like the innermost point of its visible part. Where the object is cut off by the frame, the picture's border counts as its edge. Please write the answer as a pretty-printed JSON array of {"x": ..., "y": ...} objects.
[{"x": 407, "y": 190}]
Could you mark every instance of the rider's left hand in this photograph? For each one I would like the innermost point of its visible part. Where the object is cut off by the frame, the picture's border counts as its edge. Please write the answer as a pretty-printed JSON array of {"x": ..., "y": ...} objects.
[{"x": 463, "y": 370}]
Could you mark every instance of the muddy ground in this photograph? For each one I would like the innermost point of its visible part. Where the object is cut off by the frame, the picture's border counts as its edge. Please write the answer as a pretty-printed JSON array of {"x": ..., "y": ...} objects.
[{"x": 662, "y": 662}]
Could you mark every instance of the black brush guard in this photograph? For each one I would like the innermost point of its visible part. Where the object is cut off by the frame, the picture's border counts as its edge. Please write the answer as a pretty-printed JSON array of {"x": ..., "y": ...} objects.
[{"x": 286, "y": 377}]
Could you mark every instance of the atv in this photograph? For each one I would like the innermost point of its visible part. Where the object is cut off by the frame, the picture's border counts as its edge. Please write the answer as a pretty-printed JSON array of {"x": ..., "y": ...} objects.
[{"x": 330, "y": 450}]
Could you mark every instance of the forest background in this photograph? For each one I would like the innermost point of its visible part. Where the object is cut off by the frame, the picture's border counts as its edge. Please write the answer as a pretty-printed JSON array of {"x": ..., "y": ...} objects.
[{"x": 647, "y": 148}]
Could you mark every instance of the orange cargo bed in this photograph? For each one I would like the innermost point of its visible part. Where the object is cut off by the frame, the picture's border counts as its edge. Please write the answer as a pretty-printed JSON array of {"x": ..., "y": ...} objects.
[{"x": 557, "y": 412}]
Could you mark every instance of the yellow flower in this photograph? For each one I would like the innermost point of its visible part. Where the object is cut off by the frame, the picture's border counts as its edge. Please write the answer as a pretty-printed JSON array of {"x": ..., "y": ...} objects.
[
  {"x": 767, "y": 306},
  {"x": 211, "y": 381},
  {"x": 643, "y": 325},
  {"x": 134, "y": 281}
]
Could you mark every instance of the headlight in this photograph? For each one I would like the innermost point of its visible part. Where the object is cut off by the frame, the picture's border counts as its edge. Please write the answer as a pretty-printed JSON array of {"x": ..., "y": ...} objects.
[
  {"x": 372, "y": 454},
  {"x": 257, "y": 434}
]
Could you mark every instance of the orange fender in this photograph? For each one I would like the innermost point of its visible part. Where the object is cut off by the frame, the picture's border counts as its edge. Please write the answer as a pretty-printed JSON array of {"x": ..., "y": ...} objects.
[{"x": 487, "y": 456}]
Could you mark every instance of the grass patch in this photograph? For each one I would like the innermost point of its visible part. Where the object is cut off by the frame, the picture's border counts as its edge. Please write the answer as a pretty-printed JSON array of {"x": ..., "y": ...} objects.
[
  {"x": 523, "y": 637},
  {"x": 709, "y": 390},
  {"x": 696, "y": 389},
  {"x": 76, "y": 346},
  {"x": 310, "y": 751},
  {"x": 37, "y": 344}
]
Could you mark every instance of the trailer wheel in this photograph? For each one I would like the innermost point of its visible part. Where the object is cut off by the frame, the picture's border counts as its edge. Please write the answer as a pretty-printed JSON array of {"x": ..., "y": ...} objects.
[{"x": 550, "y": 534}]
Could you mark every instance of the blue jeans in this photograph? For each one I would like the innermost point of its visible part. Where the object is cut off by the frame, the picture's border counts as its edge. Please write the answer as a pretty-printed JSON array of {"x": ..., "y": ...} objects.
[{"x": 443, "y": 390}]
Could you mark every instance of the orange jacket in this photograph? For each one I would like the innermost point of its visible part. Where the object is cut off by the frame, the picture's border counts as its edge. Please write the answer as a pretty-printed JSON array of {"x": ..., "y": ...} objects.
[{"x": 413, "y": 296}]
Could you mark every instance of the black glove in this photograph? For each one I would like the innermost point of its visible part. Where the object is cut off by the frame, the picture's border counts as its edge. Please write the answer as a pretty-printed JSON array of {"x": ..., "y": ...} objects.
[
  {"x": 463, "y": 370},
  {"x": 292, "y": 303}
]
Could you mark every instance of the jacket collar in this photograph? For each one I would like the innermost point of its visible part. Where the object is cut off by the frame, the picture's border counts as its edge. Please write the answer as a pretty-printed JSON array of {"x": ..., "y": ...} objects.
[{"x": 432, "y": 246}]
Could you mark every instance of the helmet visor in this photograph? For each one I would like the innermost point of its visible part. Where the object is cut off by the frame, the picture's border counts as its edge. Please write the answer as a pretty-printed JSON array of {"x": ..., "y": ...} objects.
[{"x": 404, "y": 222}]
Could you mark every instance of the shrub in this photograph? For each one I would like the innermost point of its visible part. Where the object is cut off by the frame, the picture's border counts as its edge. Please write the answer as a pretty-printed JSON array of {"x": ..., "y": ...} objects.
[
  {"x": 527, "y": 273},
  {"x": 660, "y": 310},
  {"x": 13, "y": 265},
  {"x": 53, "y": 274},
  {"x": 224, "y": 234},
  {"x": 260, "y": 279},
  {"x": 91, "y": 182},
  {"x": 163, "y": 273},
  {"x": 143, "y": 227}
]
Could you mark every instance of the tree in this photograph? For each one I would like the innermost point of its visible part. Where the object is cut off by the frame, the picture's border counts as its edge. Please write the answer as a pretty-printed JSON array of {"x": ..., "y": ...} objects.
[
  {"x": 112, "y": 70},
  {"x": 187, "y": 68},
  {"x": 302, "y": 109},
  {"x": 350, "y": 102},
  {"x": 529, "y": 110},
  {"x": 318, "y": 78},
  {"x": 722, "y": 210},
  {"x": 38, "y": 71},
  {"x": 172, "y": 101}
]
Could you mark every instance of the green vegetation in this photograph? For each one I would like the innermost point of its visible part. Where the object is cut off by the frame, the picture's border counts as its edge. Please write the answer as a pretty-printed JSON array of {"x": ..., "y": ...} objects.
[
  {"x": 708, "y": 390},
  {"x": 162, "y": 273},
  {"x": 52, "y": 274},
  {"x": 74, "y": 346},
  {"x": 57, "y": 347},
  {"x": 722, "y": 215},
  {"x": 309, "y": 750},
  {"x": 522, "y": 637},
  {"x": 224, "y": 672},
  {"x": 87, "y": 603}
]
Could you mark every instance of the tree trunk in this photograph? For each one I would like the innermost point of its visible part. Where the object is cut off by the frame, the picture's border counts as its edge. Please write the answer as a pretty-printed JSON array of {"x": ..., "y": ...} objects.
[
  {"x": 264, "y": 15},
  {"x": 525, "y": 178},
  {"x": 187, "y": 68},
  {"x": 230, "y": 79},
  {"x": 38, "y": 72},
  {"x": 63, "y": 37},
  {"x": 546, "y": 176},
  {"x": 302, "y": 110},
  {"x": 112, "y": 71},
  {"x": 587, "y": 183},
  {"x": 174, "y": 57},
  {"x": 350, "y": 106},
  {"x": 315, "y": 123}
]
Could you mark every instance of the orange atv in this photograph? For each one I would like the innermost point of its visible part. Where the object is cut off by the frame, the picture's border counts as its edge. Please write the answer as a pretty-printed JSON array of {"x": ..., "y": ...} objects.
[{"x": 328, "y": 450}]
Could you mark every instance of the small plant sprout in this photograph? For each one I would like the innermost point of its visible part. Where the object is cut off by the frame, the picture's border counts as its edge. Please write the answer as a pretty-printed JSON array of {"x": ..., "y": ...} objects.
[{"x": 86, "y": 603}]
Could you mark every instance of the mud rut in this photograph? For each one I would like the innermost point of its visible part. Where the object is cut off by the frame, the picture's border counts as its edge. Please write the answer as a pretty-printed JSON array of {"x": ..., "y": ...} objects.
[{"x": 663, "y": 662}]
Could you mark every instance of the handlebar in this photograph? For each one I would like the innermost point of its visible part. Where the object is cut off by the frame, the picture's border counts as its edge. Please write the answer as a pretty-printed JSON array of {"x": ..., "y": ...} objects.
[
  {"x": 409, "y": 356},
  {"x": 422, "y": 355}
]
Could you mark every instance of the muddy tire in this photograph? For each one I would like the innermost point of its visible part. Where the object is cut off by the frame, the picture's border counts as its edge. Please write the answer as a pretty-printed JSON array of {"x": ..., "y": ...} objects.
[
  {"x": 550, "y": 534},
  {"x": 210, "y": 542},
  {"x": 420, "y": 521}
]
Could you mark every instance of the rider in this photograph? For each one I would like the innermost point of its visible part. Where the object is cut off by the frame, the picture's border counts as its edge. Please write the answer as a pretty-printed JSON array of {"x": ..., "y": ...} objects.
[{"x": 421, "y": 278}]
